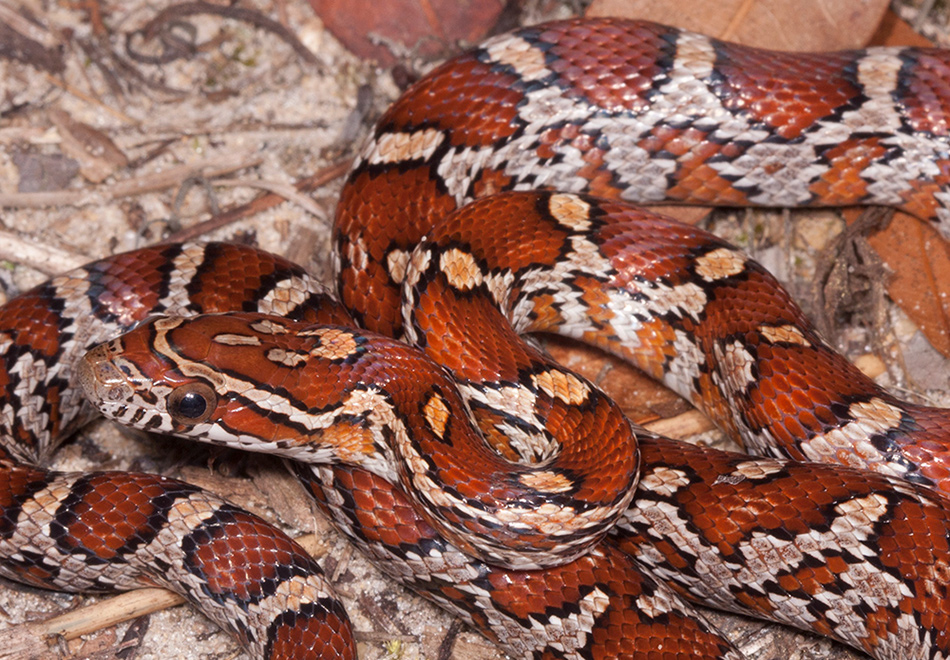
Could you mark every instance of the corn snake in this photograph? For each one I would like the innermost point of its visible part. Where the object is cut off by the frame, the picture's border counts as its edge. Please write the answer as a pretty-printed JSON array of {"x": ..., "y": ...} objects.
[{"x": 399, "y": 150}]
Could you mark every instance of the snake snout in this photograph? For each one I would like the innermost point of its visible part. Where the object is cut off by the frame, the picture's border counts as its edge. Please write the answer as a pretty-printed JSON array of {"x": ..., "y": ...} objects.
[{"x": 100, "y": 379}]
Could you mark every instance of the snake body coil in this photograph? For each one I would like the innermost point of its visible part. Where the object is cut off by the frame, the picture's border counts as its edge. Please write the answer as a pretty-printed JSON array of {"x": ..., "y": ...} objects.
[{"x": 431, "y": 244}]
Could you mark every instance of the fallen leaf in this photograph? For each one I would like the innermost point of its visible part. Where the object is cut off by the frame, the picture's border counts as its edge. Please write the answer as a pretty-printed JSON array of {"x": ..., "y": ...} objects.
[
  {"x": 807, "y": 25},
  {"x": 920, "y": 260},
  {"x": 387, "y": 31},
  {"x": 896, "y": 32}
]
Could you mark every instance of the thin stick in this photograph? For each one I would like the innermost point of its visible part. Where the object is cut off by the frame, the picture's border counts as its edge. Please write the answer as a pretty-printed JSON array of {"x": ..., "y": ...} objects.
[
  {"x": 285, "y": 190},
  {"x": 79, "y": 94},
  {"x": 111, "y": 612},
  {"x": 262, "y": 203},
  {"x": 172, "y": 176},
  {"x": 44, "y": 258}
]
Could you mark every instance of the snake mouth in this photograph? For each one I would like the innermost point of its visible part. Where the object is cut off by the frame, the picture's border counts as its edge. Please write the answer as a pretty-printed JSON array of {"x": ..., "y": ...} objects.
[{"x": 100, "y": 379}]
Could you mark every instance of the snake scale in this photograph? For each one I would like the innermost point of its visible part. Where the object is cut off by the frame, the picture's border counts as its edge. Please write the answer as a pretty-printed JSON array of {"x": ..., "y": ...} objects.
[{"x": 491, "y": 200}]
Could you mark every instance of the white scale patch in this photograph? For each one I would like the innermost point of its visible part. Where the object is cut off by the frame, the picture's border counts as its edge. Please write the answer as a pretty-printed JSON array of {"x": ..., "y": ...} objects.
[
  {"x": 269, "y": 327},
  {"x": 662, "y": 521},
  {"x": 186, "y": 265},
  {"x": 684, "y": 96},
  {"x": 734, "y": 373},
  {"x": 33, "y": 376},
  {"x": 753, "y": 470},
  {"x": 396, "y": 263},
  {"x": 682, "y": 372},
  {"x": 659, "y": 604},
  {"x": 519, "y": 54},
  {"x": 562, "y": 385},
  {"x": 499, "y": 286},
  {"x": 289, "y": 294},
  {"x": 570, "y": 211},
  {"x": 943, "y": 213},
  {"x": 228, "y": 339},
  {"x": 788, "y": 334},
  {"x": 402, "y": 147},
  {"x": 664, "y": 481},
  {"x": 6, "y": 342},
  {"x": 286, "y": 358},
  {"x": 419, "y": 262},
  {"x": 572, "y": 631},
  {"x": 356, "y": 254},
  {"x": 877, "y": 72},
  {"x": 780, "y": 173},
  {"x": 518, "y": 158},
  {"x": 460, "y": 269},
  {"x": 534, "y": 445},
  {"x": 849, "y": 444},
  {"x": 683, "y": 300},
  {"x": 459, "y": 167}
]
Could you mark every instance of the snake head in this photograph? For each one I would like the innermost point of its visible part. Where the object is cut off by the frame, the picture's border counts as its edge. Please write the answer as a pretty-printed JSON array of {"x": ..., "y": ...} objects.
[
  {"x": 132, "y": 383},
  {"x": 228, "y": 379}
]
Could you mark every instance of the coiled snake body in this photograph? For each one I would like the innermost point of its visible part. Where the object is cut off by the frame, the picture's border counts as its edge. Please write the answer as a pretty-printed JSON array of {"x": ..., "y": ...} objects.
[{"x": 490, "y": 482}]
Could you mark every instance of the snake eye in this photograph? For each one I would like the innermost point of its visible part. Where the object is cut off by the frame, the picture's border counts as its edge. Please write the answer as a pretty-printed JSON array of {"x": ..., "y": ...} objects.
[{"x": 192, "y": 403}]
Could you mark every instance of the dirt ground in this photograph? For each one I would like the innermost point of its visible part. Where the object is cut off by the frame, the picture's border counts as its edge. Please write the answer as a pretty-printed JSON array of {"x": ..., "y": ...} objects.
[{"x": 243, "y": 115}]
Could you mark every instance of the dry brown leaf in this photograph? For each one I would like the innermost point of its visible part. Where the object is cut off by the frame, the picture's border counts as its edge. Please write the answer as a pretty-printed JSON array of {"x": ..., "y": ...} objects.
[
  {"x": 392, "y": 30},
  {"x": 809, "y": 25},
  {"x": 920, "y": 259},
  {"x": 895, "y": 32}
]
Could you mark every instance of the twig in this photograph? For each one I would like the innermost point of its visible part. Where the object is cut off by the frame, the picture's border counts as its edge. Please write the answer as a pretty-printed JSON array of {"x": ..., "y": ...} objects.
[
  {"x": 44, "y": 258},
  {"x": 110, "y": 612},
  {"x": 210, "y": 167},
  {"x": 737, "y": 17},
  {"x": 78, "y": 93},
  {"x": 285, "y": 190},
  {"x": 262, "y": 203}
]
